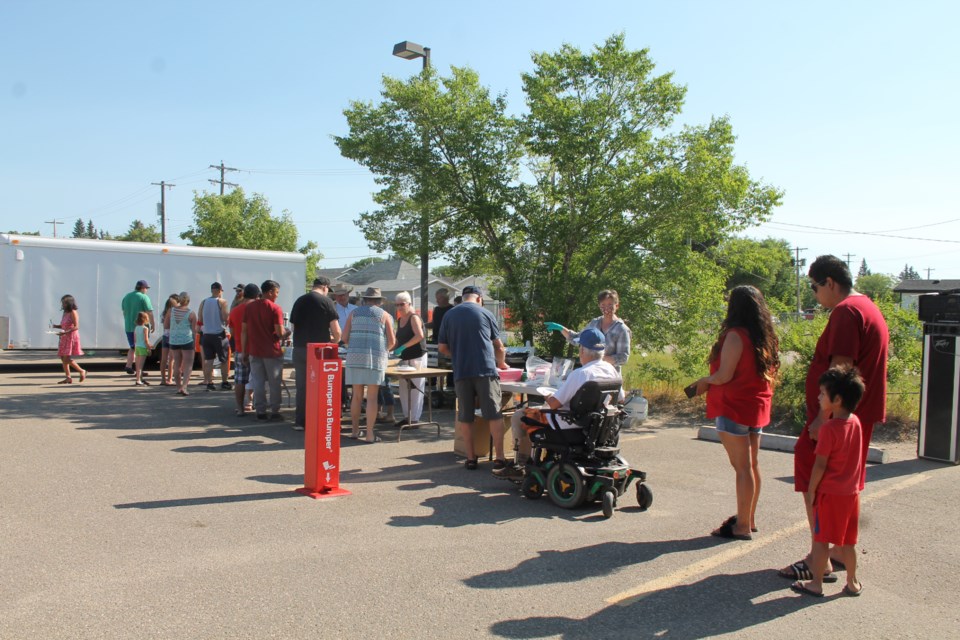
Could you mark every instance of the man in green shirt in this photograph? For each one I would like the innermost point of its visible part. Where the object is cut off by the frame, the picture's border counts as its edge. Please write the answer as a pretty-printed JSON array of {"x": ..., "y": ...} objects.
[{"x": 133, "y": 303}]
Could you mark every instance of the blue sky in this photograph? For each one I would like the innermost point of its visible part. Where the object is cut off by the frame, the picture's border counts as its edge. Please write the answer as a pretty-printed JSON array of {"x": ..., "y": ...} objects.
[{"x": 850, "y": 107}]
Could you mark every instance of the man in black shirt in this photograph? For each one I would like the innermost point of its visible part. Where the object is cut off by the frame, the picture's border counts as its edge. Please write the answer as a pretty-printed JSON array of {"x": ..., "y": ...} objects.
[{"x": 314, "y": 319}]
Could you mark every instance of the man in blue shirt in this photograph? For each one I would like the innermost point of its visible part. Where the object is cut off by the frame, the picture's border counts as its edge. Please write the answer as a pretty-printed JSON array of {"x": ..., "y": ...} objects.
[{"x": 470, "y": 338}]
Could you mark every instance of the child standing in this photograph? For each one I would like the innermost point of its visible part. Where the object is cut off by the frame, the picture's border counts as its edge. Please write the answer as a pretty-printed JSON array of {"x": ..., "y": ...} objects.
[
  {"x": 834, "y": 491},
  {"x": 141, "y": 337},
  {"x": 69, "y": 339}
]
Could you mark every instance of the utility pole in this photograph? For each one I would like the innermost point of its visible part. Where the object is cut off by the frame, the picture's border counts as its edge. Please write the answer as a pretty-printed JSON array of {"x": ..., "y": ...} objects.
[
  {"x": 798, "y": 263},
  {"x": 849, "y": 255},
  {"x": 54, "y": 222},
  {"x": 221, "y": 181},
  {"x": 163, "y": 208},
  {"x": 928, "y": 269}
]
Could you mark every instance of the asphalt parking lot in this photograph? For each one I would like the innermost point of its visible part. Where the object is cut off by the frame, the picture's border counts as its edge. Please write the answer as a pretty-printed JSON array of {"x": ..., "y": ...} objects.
[{"x": 133, "y": 513}]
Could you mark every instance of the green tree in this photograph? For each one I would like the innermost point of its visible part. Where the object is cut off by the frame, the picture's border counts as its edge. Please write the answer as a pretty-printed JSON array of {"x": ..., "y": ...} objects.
[
  {"x": 876, "y": 285},
  {"x": 908, "y": 273},
  {"x": 365, "y": 262},
  {"x": 79, "y": 231},
  {"x": 615, "y": 196},
  {"x": 92, "y": 231},
  {"x": 767, "y": 265},
  {"x": 233, "y": 220},
  {"x": 864, "y": 269},
  {"x": 140, "y": 233},
  {"x": 24, "y": 233}
]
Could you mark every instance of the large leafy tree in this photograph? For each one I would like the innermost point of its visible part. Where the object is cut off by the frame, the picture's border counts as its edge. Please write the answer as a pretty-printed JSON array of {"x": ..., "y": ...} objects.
[
  {"x": 593, "y": 187},
  {"x": 767, "y": 265},
  {"x": 233, "y": 220}
]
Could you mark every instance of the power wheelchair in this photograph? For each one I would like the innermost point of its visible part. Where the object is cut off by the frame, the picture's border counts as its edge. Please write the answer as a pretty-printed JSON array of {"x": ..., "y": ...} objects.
[{"x": 577, "y": 464}]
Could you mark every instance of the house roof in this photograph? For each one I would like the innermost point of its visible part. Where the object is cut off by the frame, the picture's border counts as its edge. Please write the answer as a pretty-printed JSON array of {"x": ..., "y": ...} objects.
[
  {"x": 383, "y": 270},
  {"x": 927, "y": 286}
]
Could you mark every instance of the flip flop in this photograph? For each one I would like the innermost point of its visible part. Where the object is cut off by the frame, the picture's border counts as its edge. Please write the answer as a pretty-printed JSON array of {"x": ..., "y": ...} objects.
[
  {"x": 733, "y": 520},
  {"x": 726, "y": 531},
  {"x": 838, "y": 564},
  {"x": 799, "y": 587},
  {"x": 847, "y": 591},
  {"x": 801, "y": 571},
  {"x": 470, "y": 464},
  {"x": 66, "y": 381}
]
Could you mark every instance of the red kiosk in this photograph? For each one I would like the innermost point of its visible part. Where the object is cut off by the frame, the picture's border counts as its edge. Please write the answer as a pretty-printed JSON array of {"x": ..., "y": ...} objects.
[{"x": 321, "y": 473}]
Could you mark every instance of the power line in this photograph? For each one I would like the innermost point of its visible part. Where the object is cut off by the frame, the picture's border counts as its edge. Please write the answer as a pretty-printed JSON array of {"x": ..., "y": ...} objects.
[{"x": 827, "y": 230}]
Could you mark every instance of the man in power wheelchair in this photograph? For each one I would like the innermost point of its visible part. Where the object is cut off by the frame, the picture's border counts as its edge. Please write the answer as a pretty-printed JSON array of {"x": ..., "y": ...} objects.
[{"x": 570, "y": 446}]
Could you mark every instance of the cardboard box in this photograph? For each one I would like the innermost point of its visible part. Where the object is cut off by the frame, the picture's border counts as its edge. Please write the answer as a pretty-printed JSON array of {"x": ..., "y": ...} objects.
[{"x": 480, "y": 431}]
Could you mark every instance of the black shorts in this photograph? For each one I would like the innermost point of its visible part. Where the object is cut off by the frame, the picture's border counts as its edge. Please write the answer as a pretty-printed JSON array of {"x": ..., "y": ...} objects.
[{"x": 214, "y": 345}]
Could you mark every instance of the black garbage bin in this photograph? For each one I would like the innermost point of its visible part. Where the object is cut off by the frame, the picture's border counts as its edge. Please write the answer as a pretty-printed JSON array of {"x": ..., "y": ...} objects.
[{"x": 940, "y": 385}]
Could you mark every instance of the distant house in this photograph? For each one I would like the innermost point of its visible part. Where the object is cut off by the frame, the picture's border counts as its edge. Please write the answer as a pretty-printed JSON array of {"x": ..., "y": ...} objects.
[{"x": 910, "y": 290}]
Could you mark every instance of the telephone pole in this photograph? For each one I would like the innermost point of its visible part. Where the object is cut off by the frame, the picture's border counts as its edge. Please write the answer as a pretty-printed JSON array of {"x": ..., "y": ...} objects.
[
  {"x": 849, "y": 255},
  {"x": 163, "y": 208},
  {"x": 54, "y": 222},
  {"x": 928, "y": 269},
  {"x": 798, "y": 263},
  {"x": 221, "y": 181}
]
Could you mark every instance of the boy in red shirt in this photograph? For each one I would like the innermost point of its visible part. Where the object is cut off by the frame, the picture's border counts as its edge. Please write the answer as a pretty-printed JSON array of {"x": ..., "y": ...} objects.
[{"x": 834, "y": 491}]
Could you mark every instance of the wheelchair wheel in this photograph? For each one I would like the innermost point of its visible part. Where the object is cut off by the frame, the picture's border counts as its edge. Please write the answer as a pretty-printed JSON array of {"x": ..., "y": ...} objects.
[
  {"x": 565, "y": 486},
  {"x": 532, "y": 487},
  {"x": 609, "y": 501},
  {"x": 644, "y": 496}
]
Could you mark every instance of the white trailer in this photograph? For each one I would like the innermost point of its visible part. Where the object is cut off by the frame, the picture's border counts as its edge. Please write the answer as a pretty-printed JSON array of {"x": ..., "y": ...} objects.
[{"x": 36, "y": 272}]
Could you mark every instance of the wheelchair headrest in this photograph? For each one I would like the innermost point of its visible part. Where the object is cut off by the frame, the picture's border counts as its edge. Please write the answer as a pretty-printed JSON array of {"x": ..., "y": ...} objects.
[{"x": 592, "y": 397}]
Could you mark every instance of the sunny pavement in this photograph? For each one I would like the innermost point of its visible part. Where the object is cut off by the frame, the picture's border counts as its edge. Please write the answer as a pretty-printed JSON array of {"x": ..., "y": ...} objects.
[{"x": 133, "y": 513}]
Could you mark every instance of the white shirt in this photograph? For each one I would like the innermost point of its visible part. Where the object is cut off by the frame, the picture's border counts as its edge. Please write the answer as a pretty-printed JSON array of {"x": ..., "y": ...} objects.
[{"x": 599, "y": 371}]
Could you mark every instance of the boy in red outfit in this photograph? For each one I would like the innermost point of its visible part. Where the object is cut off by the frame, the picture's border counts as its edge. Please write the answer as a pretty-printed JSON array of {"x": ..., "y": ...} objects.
[{"x": 834, "y": 492}]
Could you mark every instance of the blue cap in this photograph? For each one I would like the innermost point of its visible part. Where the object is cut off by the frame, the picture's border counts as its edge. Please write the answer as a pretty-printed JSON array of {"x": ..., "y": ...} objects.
[
  {"x": 472, "y": 289},
  {"x": 590, "y": 339}
]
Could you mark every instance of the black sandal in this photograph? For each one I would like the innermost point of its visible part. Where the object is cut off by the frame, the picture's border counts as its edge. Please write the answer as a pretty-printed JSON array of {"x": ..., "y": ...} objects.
[
  {"x": 726, "y": 531},
  {"x": 801, "y": 571},
  {"x": 470, "y": 464}
]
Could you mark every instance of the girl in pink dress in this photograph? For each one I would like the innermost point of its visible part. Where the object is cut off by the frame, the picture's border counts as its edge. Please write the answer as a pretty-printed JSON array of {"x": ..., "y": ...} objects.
[{"x": 69, "y": 339}]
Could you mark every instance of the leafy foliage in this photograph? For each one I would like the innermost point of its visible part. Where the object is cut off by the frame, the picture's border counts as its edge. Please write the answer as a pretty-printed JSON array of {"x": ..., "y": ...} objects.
[
  {"x": 612, "y": 195},
  {"x": 140, "y": 233},
  {"x": 876, "y": 285},
  {"x": 233, "y": 220},
  {"x": 767, "y": 265},
  {"x": 908, "y": 273}
]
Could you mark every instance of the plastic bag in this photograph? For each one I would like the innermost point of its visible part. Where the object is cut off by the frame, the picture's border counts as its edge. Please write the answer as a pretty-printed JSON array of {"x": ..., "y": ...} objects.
[
  {"x": 537, "y": 368},
  {"x": 559, "y": 370}
]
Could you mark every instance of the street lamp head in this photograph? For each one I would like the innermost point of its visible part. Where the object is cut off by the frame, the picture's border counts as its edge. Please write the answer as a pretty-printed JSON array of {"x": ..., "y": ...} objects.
[{"x": 409, "y": 50}]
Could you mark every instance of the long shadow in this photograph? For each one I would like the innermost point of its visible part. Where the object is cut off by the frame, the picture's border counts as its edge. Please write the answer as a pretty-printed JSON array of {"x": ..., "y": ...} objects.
[
  {"x": 205, "y": 500},
  {"x": 894, "y": 469},
  {"x": 714, "y": 606},
  {"x": 585, "y": 562}
]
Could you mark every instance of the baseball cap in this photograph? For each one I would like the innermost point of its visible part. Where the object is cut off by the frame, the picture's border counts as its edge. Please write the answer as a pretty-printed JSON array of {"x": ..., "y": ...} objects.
[
  {"x": 251, "y": 291},
  {"x": 239, "y": 287},
  {"x": 217, "y": 286},
  {"x": 590, "y": 339},
  {"x": 142, "y": 284},
  {"x": 322, "y": 281},
  {"x": 471, "y": 289}
]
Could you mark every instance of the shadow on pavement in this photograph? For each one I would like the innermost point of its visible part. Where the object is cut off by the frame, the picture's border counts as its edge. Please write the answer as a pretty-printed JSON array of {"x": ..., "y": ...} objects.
[
  {"x": 585, "y": 562},
  {"x": 204, "y": 500},
  {"x": 714, "y": 606}
]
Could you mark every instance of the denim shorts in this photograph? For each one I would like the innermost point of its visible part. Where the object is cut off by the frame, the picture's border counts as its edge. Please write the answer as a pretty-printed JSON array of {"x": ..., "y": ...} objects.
[{"x": 735, "y": 429}]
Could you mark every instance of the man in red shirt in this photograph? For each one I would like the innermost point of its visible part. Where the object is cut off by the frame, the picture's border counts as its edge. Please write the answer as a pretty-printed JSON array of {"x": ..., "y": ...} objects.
[
  {"x": 241, "y": 368},
  {"x": 261, "y": 334},
  {"x": 855, "y": 335}
]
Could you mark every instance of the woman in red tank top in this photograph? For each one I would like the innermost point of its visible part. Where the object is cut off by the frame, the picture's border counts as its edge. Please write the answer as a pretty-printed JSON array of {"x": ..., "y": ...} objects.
[{"x": 743, "y": 363}]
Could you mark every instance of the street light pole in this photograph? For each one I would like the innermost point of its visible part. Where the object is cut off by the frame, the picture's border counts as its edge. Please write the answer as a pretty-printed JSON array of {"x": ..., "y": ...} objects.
[{"x": 411, "y": 51}]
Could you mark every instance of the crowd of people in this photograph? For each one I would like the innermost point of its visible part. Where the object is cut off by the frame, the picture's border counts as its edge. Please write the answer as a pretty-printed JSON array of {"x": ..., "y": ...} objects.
[{"x": 845, "y": 385}]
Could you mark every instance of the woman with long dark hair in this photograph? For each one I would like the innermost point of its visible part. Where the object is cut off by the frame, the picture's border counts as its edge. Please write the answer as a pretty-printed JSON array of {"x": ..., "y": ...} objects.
[{"x": 743, "y": 363}]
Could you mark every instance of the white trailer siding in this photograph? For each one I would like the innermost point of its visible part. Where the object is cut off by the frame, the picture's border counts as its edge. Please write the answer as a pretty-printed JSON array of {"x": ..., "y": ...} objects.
[{"x": 35, "y": 272}]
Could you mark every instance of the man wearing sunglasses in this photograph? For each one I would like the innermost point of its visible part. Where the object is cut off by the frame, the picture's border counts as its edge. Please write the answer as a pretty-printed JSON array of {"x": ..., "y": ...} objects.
[{"x": 856, "y": 334}]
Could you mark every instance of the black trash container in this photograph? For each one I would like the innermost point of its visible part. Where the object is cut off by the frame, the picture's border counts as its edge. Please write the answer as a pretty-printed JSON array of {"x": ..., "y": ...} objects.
[{"x": 940, "y": 393}]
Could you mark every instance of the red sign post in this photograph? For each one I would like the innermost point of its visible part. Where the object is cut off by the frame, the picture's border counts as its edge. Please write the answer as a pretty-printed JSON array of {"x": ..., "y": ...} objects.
[{"x": 321, "y": 473}]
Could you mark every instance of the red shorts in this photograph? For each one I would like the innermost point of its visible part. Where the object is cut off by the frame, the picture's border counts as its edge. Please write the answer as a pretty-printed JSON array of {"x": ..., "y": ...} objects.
[{"x": 836, "y": 519}]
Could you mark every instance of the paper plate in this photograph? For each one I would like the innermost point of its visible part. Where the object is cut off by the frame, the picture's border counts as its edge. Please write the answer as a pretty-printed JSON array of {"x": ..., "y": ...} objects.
[{"x": 405, "y": 368}]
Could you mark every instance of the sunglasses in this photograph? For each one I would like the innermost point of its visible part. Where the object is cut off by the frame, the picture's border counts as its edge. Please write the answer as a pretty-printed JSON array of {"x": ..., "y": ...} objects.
[{"x": 816, "y": 285}]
